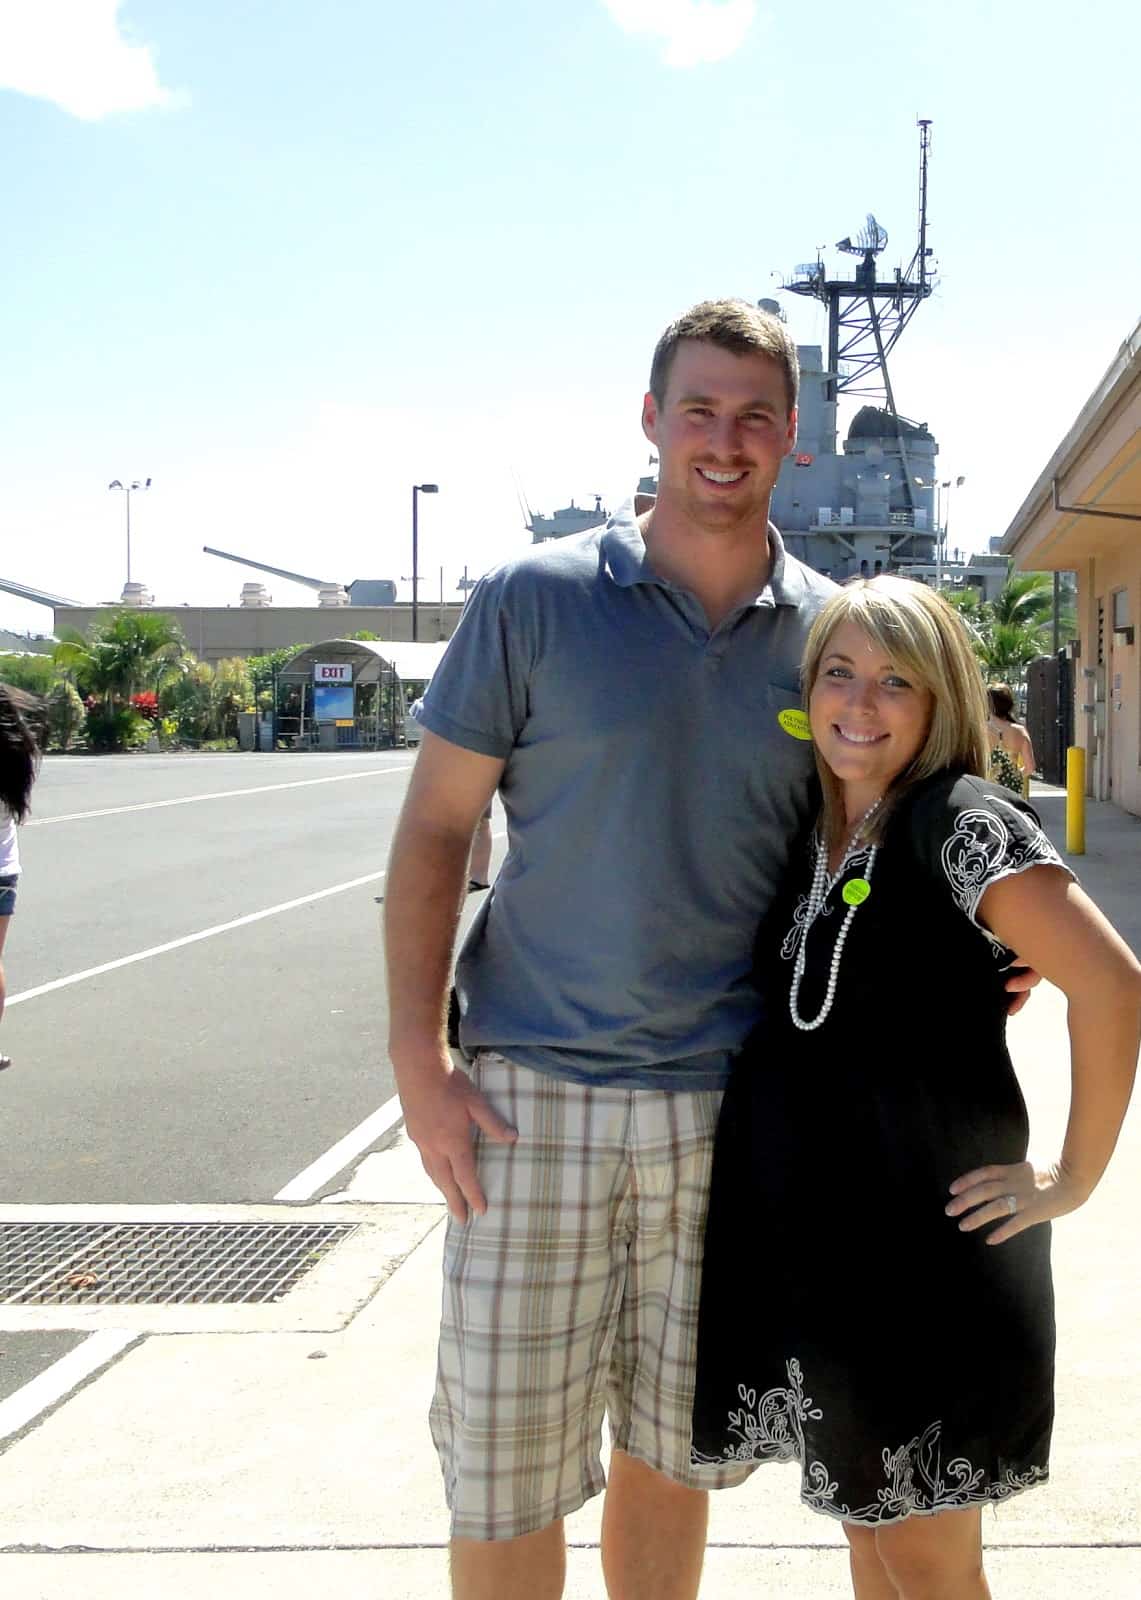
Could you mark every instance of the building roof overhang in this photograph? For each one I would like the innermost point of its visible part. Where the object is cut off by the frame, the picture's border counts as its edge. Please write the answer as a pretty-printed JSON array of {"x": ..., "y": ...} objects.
[
  {"x": 1096, "y": 468},
  {"x": 413, "y": 661}
]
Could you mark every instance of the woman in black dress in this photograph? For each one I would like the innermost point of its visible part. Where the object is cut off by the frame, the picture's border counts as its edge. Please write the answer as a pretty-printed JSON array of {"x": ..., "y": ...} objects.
[{"x": 876, "y": 1300}]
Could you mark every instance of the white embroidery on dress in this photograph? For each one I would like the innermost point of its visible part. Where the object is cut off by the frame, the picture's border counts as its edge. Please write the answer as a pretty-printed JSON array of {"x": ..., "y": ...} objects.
[
  {"x": 916, "y": 1479},
  {"x": 983, "y": 849},
  {"x": 918, "y": 1482},
  {"x": 791, "y": 943},
  {"x": 770, "y": 1428}
]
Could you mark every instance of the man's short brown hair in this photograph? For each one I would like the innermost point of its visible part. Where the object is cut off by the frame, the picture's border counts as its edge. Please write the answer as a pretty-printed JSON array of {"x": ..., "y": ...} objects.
[{"x": 733, "y": 325}]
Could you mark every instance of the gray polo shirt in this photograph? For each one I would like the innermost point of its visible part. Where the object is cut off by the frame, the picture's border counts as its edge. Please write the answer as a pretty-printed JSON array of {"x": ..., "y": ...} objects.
[{"x": 652, "y": 793}]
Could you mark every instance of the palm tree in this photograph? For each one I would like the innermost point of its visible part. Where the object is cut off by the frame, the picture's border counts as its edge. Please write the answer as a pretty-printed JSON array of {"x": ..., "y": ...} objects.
[
  {"x": 1008, "y": 648},
  {"x": 1026, "y": 597},
  {"x": 133, "y": 652},
  {"x": 1015, "y": 627}
]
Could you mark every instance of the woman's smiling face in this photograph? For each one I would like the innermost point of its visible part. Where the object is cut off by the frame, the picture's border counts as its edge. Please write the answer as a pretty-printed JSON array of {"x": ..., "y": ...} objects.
[{"x": 869, "y": 720}]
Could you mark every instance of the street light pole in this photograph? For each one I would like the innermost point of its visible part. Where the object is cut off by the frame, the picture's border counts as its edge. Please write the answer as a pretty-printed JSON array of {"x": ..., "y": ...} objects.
[
  {"x": 127, "y": 488},
  {"x": 417, "y": 490},
  {"x": 940, "y": 548}
]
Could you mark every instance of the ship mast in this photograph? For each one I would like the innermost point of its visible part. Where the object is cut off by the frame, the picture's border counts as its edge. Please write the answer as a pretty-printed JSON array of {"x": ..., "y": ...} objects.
[{"x": 867, "y": 313}]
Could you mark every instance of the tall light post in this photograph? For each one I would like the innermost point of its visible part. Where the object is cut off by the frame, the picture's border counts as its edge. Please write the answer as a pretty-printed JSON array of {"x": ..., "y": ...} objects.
[
  {"x": 127, "y": 489},
  {"x": 945, "y": 523},
  {"x": 417, "y": 490}
]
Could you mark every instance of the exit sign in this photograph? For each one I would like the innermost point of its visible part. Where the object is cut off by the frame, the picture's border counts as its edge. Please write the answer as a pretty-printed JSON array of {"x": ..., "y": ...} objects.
[{"x": 332, "y": 672}]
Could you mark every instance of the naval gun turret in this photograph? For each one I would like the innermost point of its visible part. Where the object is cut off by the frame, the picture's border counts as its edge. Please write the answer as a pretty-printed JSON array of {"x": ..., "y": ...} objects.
[{"x": 360, "y": 592}]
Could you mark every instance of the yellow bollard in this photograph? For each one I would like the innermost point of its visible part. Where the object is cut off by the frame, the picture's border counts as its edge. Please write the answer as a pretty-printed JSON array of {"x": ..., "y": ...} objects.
[{"x": 1075, "y": 801}]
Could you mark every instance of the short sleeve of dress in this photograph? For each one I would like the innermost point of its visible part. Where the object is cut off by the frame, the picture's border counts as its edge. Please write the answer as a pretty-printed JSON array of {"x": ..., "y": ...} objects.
[{"x": 969, "y": 834}]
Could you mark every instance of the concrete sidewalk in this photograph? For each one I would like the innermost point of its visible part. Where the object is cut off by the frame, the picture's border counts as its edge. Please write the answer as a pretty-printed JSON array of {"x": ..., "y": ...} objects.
[{"x": 283, "y": 1463}]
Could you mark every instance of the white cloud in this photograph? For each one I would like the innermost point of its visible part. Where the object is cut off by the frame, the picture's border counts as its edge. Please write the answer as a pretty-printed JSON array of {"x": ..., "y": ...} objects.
[
  {"x": 77, "y": 55},
  {"x": 693, "y": 32}
]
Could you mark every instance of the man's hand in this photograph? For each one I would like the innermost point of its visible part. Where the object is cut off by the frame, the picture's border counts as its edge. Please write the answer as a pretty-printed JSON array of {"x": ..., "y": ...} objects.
[
  {"x": 439, "y": 1114},
  {"x": 1021, "y": 981}
]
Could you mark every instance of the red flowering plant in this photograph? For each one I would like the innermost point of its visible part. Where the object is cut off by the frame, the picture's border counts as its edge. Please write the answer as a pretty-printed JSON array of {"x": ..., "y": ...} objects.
[{"x": 146, "y": 704}]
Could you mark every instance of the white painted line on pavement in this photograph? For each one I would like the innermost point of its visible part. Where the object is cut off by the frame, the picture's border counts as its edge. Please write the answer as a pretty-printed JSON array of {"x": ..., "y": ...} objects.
[
  {"x": 193, "y": 938},
  {"x": 337, "y": 1158},
  {"x": 61, "y": 1378},
  {"x": 206, "y": 933},
  {"x": 220, "y": 794}
]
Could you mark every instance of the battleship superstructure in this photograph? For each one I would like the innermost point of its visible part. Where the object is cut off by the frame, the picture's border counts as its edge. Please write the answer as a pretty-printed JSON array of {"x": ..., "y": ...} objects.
[
  {"x": 867, "y": 507},
  {"x": 571, "y": 519},
  {"x": 870, "y": 506},
  {"x": 874, "y": 502}
]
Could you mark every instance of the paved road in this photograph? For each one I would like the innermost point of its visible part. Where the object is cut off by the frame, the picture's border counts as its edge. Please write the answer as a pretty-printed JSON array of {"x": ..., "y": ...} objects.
[{"x": 219, "y": 1070}]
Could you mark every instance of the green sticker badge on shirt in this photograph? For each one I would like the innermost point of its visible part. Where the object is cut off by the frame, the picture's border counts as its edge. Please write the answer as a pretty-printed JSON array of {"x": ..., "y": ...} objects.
[
  {"x": 795, "y": 722},
  {"x": 856, "y": 891}
]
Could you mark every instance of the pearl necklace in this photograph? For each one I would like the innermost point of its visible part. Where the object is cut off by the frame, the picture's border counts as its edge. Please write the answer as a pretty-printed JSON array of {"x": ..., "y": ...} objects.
[{"x": 822, "y": 886}]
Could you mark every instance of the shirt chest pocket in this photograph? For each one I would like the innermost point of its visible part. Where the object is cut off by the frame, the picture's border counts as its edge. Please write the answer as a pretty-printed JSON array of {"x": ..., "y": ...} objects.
[{"x": 781, "y": 765}]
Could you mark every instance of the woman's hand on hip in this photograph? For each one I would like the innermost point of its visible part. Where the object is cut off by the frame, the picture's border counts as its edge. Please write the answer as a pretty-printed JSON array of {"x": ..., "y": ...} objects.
[{"x": 1015, "y": 1197}]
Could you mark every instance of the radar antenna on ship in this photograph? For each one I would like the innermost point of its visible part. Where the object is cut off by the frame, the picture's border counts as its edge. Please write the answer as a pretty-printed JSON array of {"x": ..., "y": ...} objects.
[
  {"x": 870, "y": 240},
  {"x": 867, "y": 313}
]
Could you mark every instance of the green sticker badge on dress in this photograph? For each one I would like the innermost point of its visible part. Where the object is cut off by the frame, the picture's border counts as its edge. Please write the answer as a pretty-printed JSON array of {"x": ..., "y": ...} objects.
[
  {"x": 856, "y": 891},
  {"x": 795, "y": 722}
]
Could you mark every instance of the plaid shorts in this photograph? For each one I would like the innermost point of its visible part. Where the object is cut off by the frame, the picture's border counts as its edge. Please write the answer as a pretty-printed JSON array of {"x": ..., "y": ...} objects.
[{"x": 574, "y": 1296}]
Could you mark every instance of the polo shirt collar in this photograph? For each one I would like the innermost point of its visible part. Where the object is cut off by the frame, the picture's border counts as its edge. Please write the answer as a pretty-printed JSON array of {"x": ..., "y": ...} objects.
[{"x": 624, "y": 551}]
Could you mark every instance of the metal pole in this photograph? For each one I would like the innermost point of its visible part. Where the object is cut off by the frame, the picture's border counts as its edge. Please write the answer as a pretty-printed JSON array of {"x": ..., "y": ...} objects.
[
  {"x": 128, "y": 494},
  {"x": 1075, "y": 801},
  {"x": 1057, "y": 612},
  {"x": 415, "y": 565}
]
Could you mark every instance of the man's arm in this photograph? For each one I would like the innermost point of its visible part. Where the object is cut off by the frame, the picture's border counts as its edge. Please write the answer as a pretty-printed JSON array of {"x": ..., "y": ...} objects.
[{"x": 427, "y": 878}]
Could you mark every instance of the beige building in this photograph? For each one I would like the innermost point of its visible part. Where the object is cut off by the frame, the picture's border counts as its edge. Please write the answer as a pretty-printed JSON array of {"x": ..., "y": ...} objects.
[
  {"x": 1084, "y": 515},
  {"x": 215, "y": 632}
]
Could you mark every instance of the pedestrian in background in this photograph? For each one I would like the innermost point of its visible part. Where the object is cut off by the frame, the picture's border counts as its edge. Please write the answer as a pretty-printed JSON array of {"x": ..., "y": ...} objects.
[
  {"x": 1011, "y": 753},
  {"x": 19, "y": 760}
]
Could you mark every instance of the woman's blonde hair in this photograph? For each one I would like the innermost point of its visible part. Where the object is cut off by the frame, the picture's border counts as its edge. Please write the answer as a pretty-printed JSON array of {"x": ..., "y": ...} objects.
[{"x": 927, "y": 641}]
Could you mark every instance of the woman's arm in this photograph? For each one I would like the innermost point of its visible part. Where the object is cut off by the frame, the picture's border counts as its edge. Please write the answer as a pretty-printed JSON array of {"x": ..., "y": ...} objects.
[{"x": 1056, "y": 927}]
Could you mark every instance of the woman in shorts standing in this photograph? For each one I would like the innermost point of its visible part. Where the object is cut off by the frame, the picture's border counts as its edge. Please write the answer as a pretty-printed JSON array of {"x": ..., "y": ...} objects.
[{"x": 19, "y": 758}]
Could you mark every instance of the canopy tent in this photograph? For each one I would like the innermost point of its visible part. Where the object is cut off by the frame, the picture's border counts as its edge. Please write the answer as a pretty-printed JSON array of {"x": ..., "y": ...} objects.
[{"x": 350, "y": 693}]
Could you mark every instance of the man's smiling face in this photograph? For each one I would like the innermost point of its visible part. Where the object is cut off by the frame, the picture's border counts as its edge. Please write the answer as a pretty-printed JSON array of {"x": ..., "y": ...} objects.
[{"x": 722, "y": 430}]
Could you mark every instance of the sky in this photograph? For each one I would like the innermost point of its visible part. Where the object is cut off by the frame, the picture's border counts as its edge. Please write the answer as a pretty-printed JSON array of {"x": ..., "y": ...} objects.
[{"x": 289, "y": 259}]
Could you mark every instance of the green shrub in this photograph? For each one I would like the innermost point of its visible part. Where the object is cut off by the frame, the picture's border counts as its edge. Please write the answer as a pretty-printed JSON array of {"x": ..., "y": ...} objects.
[
  {"x": 116, "y": 728},
  {"x": 34, "y": 673},
  {"x": 65, "y": 714}
]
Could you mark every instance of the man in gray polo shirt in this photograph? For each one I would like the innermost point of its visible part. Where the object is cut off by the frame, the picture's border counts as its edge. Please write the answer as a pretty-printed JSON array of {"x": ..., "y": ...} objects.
[{"x": 633, "y": 694}]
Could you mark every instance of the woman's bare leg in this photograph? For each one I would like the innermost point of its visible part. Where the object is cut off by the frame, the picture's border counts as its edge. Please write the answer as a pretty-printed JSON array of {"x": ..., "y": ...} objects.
[
  {"x": 4, "y": 921},
  {"x": 935, "y": 1558},
  {"x": 869, "y": 1575}
]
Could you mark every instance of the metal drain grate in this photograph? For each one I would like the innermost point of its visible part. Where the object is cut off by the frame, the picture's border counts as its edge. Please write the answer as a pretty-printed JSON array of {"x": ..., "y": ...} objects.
[{"x": 158, "y": 1263}]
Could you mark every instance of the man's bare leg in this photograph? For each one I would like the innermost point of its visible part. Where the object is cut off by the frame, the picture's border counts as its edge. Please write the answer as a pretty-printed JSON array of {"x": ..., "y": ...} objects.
[
  {"x": 653, "y": 1533},
  {"x": 533, "y": 1567}
]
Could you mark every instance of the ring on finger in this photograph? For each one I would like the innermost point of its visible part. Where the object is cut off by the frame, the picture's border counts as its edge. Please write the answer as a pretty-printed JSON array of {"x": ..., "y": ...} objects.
[{"x": 1011, "y": 1201}]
